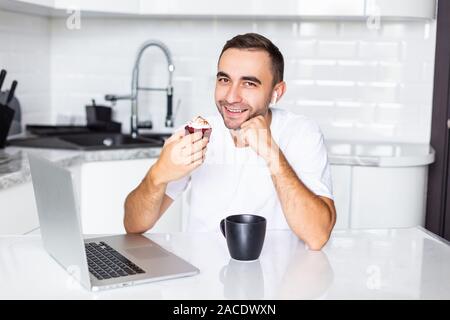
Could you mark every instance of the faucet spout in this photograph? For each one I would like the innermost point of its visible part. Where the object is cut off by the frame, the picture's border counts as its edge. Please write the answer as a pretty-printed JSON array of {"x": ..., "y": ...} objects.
[{"x": 135, "y": 124}]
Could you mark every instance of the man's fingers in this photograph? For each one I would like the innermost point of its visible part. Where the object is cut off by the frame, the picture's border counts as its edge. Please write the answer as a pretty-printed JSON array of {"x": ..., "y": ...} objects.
[
  {"x": 199, "y": 145},
  {"x": 176, "y": 136},
  {"x": 191, "y": 138},
  {"x": 195, "y": 147},
  {"x": 197, "y": 155},
  {"x": 195, "y": 164}
]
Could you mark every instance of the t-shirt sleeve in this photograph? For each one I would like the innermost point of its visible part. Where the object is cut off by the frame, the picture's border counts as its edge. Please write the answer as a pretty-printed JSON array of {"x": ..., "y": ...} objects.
[
  {"x": 307, "y": 154},
  {"x": 175, "y": 188}
]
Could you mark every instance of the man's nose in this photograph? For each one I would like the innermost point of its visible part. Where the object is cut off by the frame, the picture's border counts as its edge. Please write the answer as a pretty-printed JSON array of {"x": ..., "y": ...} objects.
[{"x": 233, "y": 95}]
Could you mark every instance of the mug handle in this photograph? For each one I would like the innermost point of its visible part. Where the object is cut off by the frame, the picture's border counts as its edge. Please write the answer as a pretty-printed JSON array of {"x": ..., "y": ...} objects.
[{"x": 222, "y": 227}]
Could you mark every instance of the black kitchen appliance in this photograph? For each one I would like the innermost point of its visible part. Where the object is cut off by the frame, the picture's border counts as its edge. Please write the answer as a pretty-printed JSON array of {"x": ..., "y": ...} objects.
[
  {"x": 8, "y": 106},
  {"x": 99, "y": 118}
]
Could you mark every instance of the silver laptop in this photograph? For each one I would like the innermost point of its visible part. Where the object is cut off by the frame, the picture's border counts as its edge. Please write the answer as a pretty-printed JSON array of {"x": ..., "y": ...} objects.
[{"x": 98, "y": 263}]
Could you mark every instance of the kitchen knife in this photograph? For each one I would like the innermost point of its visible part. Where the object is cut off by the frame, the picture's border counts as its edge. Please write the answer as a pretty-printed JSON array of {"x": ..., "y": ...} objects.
[
  {"x": 2, "y": 78},
  {"x": 11, "y": 91}
]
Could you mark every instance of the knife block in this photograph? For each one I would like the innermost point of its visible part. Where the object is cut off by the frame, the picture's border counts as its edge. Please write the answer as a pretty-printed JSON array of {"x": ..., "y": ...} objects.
[{"x": 6, "y": 118}]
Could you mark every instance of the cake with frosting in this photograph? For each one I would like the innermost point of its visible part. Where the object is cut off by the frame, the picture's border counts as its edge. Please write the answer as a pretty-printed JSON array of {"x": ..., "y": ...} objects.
[{"x": 198, "y": 124}]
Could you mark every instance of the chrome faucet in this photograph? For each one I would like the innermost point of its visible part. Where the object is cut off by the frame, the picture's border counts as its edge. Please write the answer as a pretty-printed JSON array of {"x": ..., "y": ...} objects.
[{"x": 135, "y": 88}]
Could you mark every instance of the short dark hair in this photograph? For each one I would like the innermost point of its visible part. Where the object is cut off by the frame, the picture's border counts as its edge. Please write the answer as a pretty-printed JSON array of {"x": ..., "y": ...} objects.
[{"x": 254, "y": 41}]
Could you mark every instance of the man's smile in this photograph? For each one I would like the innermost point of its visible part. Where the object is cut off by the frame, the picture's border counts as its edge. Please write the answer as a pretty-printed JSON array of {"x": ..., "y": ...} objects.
[{"x": 233, "y": 111}]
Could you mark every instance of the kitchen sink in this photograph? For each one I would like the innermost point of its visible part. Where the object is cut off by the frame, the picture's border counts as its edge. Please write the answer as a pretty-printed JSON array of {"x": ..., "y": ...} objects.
[{"x": 89, "y": 141}]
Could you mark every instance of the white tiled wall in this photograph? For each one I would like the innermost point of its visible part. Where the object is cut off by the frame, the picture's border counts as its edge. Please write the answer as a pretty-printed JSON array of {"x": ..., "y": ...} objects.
[
  {"x": 25, "y": 54},
  {"x": 356, "y": 82}
]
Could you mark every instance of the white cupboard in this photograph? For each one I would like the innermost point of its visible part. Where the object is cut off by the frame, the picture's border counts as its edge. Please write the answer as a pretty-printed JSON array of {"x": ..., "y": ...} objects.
[
  {"x": 379, "y": 197},
  {"x": 18, "y": 213},
  {"x": 103, "y": 187},
  {"x": 353, "y": 9},
  {"x": 342, "y": 185},
  {"x": 388, "y": 197}
]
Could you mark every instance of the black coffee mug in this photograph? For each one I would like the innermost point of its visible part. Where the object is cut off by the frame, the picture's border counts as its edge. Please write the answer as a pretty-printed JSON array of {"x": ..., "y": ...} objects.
[{"x": 245, "y": 235}]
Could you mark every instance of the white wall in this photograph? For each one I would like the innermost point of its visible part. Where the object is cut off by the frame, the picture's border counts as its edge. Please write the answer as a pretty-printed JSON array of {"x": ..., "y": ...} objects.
[
  {"x": 357, "y": 83},
  {"x": 25, "y": 54}
]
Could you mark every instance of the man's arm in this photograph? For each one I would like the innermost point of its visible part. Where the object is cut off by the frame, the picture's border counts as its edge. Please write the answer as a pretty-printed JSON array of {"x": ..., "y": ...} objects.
[
  {"x": 148, "y": 202},
  {"x": 310, "y": 217},
  {"x": 179, "y": 157}
]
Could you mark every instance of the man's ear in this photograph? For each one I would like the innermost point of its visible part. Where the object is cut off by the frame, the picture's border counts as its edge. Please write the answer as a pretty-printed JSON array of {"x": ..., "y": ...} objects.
[
  {"x": 274, "y": 98},
  {"x": 278, "y": 92}
]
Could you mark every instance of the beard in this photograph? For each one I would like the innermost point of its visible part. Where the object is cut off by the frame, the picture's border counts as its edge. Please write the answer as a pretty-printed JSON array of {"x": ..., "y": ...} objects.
[{"x": 235, "y": 123}]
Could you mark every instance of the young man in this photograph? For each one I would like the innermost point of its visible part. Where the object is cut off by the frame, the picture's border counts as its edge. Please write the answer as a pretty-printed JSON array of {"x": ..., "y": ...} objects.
[{"x": 260, "y": 160}]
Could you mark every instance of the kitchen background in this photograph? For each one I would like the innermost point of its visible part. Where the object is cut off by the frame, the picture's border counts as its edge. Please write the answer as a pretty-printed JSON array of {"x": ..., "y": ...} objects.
[
  {"x": 361, "y": 81},
  {"x": 358, "y": 83}
]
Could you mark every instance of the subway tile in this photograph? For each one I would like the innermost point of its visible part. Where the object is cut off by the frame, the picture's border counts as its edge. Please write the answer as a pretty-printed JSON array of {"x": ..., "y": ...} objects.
[
  {"x": 402, "y": 30},
  {"x": 413, "y": 52},
  {"x": 323, "y": 29},
  {"x": 379, "y": 92},
  {"x": 396, "y": 30},
  {"x": 298, "y": 49},
  {"x": 427, "y": 71},
  {"x": 333, "y": 90},
  {"x": 354, "y": 112},
  {"x": 357, "y": 70},
  {"x": 377, "y": 131},
  {"x": 40, "y": 117},
  {"x": 416, "y": 93},
  {"x": 393, "y": 71},
  {"x": 315, "y": 112},
  {"x": 226, "y": 29},
  {"x": 357, "y": 30},
  {"x": 397, "y": 116},
  {"x": 337, "y": 49},
  {"x": 290, "y": 69},
  {"x": 379, "y": 50},
  {"x": 316, "y": 70}
]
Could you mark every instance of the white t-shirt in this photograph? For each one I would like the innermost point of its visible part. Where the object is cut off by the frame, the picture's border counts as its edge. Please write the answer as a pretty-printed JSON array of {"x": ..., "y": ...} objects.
[{"x": 237, "y": 181}]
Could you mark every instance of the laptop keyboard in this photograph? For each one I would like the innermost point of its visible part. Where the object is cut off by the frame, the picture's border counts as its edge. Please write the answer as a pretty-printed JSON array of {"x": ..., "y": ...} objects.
[{"x": 105, "y": 263}]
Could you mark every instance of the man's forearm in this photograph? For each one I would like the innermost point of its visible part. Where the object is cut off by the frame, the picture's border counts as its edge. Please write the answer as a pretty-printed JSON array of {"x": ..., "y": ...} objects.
[
  {"x": 142, "y": 206},
  {"x": 306, "y": 214}
]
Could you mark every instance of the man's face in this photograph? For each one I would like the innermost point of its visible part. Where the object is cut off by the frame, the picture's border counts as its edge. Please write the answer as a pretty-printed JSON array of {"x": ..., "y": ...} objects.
[{"x": 243, "y": 86}]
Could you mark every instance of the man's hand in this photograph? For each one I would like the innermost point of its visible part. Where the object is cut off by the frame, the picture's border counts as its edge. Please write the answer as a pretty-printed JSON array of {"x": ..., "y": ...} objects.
[
  {"x": 255, "y": 132},
  {"x": 181, "y": 154}
]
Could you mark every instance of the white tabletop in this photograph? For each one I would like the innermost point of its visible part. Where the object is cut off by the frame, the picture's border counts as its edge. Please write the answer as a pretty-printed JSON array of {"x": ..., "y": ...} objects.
[{"x": 363, "y": 264}]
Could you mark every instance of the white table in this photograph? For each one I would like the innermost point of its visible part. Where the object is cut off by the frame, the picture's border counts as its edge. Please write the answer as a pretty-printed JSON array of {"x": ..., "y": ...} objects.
[{"x": 363, "y": 264}]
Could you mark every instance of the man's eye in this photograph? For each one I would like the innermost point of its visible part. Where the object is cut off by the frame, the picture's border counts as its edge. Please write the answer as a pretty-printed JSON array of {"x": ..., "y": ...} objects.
[
  {"x": 223, "y": 80},
  {"x": 249, "y": 84}
]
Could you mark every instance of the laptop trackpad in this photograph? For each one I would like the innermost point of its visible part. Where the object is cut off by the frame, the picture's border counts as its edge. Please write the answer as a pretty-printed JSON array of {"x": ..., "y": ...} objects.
[{"x": 148, "y": 252}]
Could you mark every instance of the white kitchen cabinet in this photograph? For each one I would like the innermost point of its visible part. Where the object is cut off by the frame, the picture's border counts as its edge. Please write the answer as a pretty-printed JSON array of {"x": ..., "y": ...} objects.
[
  {"x": 402, "y": 8},
  {"x": 103, "y": 187},
  {"x": 425, "y": 9},
  {"x": 45, "y": 3},
  {"x": 388, "y": 197},
  {"x": 107, "y": 6},
  {"x": 323, "y": 9},
  {"x": 221, "y": 8},
  {"x": 342, "y": 182},
  {"x": 18, "y": 213}
]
